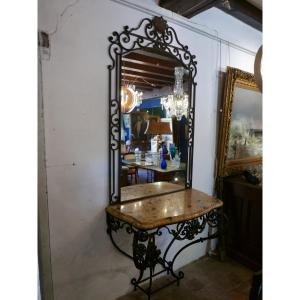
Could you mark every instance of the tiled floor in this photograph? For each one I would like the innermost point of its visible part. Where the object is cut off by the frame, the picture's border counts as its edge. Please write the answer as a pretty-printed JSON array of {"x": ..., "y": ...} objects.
[{"x": 205, "y": 279}]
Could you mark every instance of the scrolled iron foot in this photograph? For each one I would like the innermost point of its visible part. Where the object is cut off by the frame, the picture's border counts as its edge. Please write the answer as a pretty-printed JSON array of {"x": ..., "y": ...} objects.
[
  {"x": 177, "y": 276},
  {"x": 135, "y": 281}
]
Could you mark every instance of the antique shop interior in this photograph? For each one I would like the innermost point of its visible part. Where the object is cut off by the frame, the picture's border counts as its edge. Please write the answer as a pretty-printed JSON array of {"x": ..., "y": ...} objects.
[{"x": 150, "y": 149}]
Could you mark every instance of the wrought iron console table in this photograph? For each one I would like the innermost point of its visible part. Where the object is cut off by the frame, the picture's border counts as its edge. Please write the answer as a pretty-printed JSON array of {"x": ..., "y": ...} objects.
[{"x": 189, "y": 211}]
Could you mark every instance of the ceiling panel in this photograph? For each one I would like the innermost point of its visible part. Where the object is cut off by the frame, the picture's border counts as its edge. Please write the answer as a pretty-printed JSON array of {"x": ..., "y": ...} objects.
[
  {"x": 256, "y": 3},
  {"x": 148, "y": 69},
  {"x": 247, "y": 11}
]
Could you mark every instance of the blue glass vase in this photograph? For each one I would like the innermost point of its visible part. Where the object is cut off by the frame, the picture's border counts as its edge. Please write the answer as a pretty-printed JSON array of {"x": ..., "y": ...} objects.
[
  {"x": 163, "y": 163},
  {"x": 172, "y": 151}
]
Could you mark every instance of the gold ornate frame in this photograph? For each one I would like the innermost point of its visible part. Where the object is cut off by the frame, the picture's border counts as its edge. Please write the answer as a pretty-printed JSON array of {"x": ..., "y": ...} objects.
[{"x": 235, "y": 77}]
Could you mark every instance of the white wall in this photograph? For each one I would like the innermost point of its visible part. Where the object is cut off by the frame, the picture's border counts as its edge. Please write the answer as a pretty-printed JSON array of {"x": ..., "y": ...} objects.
[
  {"x": 75, "y": 85},
  {"x": 229, "y": 28}
]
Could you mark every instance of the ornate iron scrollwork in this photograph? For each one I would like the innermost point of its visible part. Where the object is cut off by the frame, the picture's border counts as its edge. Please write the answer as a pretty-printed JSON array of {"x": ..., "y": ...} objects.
[
  {"x": 190, "y": 229},
  {"x": 150, "y": 33},
  {"x": 146, "y": 255}
]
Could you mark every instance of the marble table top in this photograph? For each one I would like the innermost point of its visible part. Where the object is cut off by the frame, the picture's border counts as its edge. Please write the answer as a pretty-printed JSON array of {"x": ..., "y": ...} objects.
[
  {"x": 139, "y": 191},
  {"x": 153, "y": 212}
]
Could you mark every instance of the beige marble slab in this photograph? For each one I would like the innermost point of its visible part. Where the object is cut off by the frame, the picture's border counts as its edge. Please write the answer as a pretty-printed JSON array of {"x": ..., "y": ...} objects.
[
  {"x": 167, "y": 209},
  {"x": 140, "y": 191}
]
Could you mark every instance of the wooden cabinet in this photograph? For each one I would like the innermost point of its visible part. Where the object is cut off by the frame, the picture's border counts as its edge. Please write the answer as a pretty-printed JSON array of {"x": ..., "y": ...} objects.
[{"x": 243, "y": 206}]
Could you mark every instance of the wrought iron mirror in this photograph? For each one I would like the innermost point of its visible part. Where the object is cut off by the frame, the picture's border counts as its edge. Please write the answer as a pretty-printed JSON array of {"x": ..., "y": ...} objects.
[
  {"x": 240, "y": 135},
  {"x": 151, "y": 108}
]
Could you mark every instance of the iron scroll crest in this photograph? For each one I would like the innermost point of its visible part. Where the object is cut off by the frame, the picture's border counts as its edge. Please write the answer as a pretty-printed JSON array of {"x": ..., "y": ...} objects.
[{"x": 150, "y": 33}]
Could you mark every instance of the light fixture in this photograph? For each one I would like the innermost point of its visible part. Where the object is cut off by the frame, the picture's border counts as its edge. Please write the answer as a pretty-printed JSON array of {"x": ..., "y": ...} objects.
[
  {"x": 176, "y": 104},
  {"x": 130, "y": 98},
  {"x": 156, "y": 129},
  {"x": 226, "y": 4}
]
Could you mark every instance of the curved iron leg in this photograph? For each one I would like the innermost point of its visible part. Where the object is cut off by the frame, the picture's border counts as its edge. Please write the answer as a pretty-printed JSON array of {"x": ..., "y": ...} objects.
[
  {"x": 135, "y": 281},
  {"x": 109, "y": 230},
  {"x": 169, "y": 265},
  {"x": 171, "y": 243},
  {"x": 150, "y": 284}
]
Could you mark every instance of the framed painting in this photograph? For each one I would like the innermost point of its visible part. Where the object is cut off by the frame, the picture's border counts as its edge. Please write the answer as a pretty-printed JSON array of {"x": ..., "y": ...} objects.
[{"x": 240, "y": 134}]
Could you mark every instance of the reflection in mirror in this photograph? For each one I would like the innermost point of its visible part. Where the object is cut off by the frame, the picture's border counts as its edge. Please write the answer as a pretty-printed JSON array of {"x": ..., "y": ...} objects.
[
  {"x": 245, "y": 136},
  {"x": 154, "y": 124}
]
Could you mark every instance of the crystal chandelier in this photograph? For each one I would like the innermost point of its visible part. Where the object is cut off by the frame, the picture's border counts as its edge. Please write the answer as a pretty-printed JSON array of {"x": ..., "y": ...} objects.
[
  {"x": 177, "y": 103},
  {"x": 138, "y": 96},
  {"x": 130, "y": 98}
]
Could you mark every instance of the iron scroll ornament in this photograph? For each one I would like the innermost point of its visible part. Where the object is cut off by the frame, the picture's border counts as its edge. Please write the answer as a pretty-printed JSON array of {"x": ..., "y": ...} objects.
[
  {"x": 150, "y": 33},
  {"x": 148, "y": 257}
]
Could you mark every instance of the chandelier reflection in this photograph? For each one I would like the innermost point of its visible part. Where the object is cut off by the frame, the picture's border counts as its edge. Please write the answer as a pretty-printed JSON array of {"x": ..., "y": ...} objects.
[
  {"x": 130, "y": 98},
  {"x": 176, "y": 104}
]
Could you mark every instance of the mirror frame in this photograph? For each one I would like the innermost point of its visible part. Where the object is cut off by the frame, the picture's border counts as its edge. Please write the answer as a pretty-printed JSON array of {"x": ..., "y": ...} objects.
[
  {"x": 230, "y": 167},
  {"x": 158, "y": 35}
]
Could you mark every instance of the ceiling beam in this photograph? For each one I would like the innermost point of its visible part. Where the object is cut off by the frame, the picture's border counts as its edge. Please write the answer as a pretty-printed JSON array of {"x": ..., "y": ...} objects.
[
  {"x": 151, "y": 74},
  {"x": 142, "y": 88},
  {"x": 244, "y": 11},
  {"x": 139, "y": 87},
  {"x": 240, "y": 9},
  {"x": 187, "y": 8},
  {"x": 159, "y": 81},
  {"x": 148, "y": 68},
  {"x": 141, "y": 84},
  {"x": 143, "y": 63},
  {"x": 146, "y": 79},
  {"x": 149, "y": 82},
  {"x": 137, "y": 57}
]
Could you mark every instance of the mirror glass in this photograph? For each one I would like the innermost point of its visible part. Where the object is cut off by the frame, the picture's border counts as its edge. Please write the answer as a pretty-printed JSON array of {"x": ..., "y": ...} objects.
[
  {"x": 245, "y": 136},
  {"x": 154, "y": 126}
]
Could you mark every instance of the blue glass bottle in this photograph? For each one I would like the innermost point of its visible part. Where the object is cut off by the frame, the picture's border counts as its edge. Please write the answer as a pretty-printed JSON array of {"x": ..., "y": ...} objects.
[
  {"x": 172, "y": 151},
  {"x": 163, "y": 163}
]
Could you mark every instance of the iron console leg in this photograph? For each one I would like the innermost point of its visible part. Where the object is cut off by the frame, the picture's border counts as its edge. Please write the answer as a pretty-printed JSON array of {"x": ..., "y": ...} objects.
[{"x": 146, "y": 255}]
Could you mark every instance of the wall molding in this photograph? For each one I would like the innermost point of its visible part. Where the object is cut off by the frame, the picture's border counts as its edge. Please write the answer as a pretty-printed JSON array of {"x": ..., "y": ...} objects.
[{"x": 44, "y": 249}]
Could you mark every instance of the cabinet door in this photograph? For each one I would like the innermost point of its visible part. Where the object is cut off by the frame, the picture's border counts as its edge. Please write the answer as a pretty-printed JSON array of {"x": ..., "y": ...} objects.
[{"x": 243, "y": 205}]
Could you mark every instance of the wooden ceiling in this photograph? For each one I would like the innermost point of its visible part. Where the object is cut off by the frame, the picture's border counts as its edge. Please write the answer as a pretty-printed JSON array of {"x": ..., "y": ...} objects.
[
  {"x": 249, "y": 13},
  {"x": 148, "y": 69}
]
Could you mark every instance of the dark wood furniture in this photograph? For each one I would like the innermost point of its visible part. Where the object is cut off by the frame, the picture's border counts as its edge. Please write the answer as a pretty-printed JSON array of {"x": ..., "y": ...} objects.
[
  {"x": 132, "y": 169},
  {"x": 243, "y": 206},
  {"x": 124, "y": 176},
  {"x": 256, "y": 288}
]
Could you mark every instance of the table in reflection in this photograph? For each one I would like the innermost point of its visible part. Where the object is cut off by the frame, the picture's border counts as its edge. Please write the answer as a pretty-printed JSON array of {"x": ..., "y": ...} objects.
[{"x": 156, "y": 173}]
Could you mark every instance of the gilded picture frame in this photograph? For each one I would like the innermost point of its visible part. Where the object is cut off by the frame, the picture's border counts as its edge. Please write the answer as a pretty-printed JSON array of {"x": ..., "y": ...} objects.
[{"x": 224, "y": 166}]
